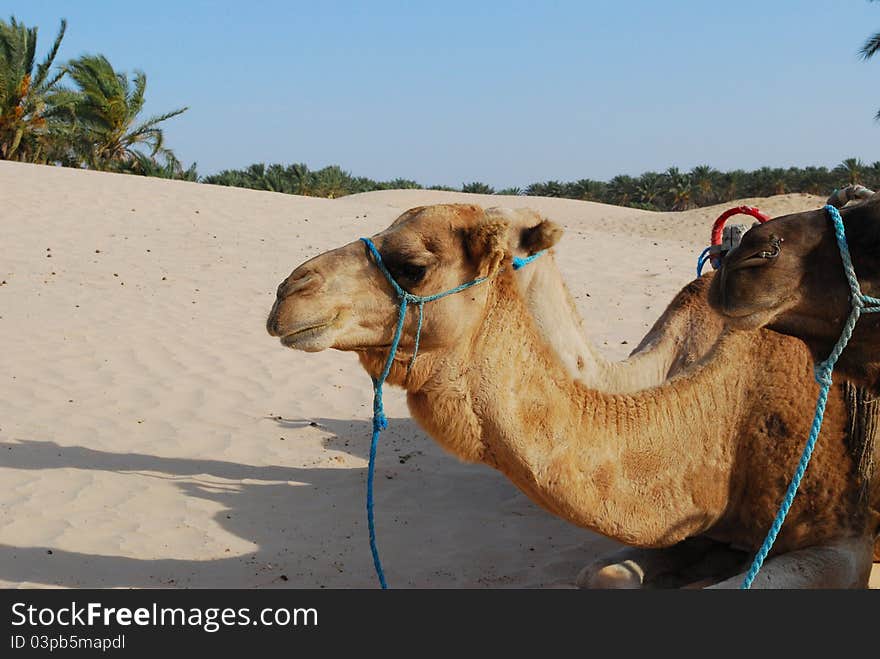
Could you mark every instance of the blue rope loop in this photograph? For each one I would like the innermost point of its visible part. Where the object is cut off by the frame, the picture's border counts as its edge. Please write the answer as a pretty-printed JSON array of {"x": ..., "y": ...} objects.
[
  {"x": 380, "y": 421},
  {"x": 701, "y": 260},
  {"x": 823, "y": 371}
]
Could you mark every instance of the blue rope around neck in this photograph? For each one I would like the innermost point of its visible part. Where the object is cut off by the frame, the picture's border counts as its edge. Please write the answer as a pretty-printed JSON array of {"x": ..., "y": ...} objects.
[
  {"x": 380, "y": 422},
  {"x": 860, "y": 304}
]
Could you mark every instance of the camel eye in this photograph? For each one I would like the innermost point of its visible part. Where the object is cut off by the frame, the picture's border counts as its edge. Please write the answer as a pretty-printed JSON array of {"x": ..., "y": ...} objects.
[{"x": 405, "y": 271}]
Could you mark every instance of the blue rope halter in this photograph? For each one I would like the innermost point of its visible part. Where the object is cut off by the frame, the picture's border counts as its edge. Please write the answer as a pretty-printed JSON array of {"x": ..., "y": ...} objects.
[
  {"x": 860, "y": 304},
  {"x": 701, "y": 260},
  {"x": 380, "y": 422}
]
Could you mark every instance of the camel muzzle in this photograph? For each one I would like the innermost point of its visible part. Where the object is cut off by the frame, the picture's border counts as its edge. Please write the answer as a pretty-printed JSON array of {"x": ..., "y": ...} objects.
[{"x": 301, "y": 282}]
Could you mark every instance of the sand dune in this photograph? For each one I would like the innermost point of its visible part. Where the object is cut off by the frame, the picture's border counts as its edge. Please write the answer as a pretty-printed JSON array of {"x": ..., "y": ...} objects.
[{"x": 152, "y": 434}]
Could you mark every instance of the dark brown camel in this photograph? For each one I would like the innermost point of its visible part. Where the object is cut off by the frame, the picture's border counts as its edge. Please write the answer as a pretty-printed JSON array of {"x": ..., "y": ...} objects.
[{"x": 787, "y": 275}]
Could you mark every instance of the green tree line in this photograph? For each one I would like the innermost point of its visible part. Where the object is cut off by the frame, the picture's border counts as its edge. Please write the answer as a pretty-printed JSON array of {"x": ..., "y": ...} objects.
[{"x": 670, "y": 190}]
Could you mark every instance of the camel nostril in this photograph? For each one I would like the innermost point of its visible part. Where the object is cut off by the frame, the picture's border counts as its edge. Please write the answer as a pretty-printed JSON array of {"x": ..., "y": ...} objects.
[{"x": 299, "y": 283}]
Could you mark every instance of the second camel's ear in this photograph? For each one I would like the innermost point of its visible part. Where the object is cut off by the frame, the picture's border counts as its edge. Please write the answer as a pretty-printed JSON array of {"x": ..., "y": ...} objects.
[
  {"x": 540, "y": 237},
  {"x": 487, "y": 246}
]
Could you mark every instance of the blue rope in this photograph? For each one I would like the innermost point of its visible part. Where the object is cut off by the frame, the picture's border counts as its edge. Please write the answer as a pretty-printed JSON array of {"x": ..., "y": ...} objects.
[
  {"x": 860, "y": 304},
  {"x": 380, "y": 422},
  {"x": 701, "y": 260},
  {"x": 520, "y": 261}
]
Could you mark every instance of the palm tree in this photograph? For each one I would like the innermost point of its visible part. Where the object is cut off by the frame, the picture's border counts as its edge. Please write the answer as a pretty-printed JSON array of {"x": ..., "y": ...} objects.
[
  {"x": 585, "y": 189},
  {"x": 873, "y": 181},
  {"x": 477, "y": 187},
  {"x": 170, "y": 167},
  {"x": 731, "y": 185},
  {"x": 780, "y": 180},
  {"x": 622, "y": 189},
  {"x": 766, "y": 182},
  {"x": 869, "y": 49},
  {"x": 332, "y": 182},
  {"x": 680, "y": 189},
  {"x": 547, "y": 189},
  {"x": 649, "y": 188},
  {"x": 231, "y": 177},
  {"x": 405, "y": 184},
  {"x": 702, "y": 177},
  {"x": 814, "y": 180},
  {"x": 852, "y": 169},
  {"x": 296, "y": 178},
  {"x": 105, "y": 108},
  {"x": 276, "y": 178},
  {"x": 25, "y": 113}
]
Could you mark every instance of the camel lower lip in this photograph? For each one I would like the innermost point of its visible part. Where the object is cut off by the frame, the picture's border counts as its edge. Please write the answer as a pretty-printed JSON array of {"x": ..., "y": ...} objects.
[
  {"x": 742, "y": 314},
  {"x": 306, "y": 332},
  {"x": 751, "y": 319}
]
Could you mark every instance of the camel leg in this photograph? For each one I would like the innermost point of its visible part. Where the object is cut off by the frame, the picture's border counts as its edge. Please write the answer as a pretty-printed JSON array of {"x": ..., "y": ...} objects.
[
  {"x": 635, "y": 568},
  {"x": 842, "y": 564}
]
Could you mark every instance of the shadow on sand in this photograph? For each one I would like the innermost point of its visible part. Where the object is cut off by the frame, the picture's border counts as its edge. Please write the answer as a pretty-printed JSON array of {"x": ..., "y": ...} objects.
[{"x": 440, "y": 523}]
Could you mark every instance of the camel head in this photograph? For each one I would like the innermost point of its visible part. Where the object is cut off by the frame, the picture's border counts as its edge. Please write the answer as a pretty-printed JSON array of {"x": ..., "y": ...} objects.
[
  {"x": 340, "y": 299},
  {"x": 787, "y": 274},
  {"x": 765, "y": 275}
]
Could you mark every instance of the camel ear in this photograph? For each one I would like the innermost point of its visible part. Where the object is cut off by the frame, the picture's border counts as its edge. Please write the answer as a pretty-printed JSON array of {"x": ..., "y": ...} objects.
[
  {"x": 487, "y": 246},
  {"x": 540, "y": 237}
]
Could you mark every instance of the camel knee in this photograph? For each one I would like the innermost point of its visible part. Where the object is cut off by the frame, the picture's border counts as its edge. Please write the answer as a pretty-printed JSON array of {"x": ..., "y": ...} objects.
[
  {"x": 626, "y": 575},
  {"x": 842, "y": 564}
]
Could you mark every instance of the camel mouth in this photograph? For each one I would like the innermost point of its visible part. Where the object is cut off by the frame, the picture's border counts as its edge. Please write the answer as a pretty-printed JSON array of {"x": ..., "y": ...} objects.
[
  {"x": 739, "y": 311},
  {"x": 309, "y": 337},
  {"x": 747, "y": 318}
]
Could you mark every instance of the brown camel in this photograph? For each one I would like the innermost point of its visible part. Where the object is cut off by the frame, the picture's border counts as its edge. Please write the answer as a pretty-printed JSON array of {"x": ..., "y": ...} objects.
[
  {"x": 787, "y": 275},
  {"x": 684, "y": 333},
  {"x": 723, "y": 456}
]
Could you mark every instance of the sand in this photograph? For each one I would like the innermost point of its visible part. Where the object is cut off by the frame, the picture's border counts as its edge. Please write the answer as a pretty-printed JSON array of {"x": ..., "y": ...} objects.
[{"x": 153, "y": 435}]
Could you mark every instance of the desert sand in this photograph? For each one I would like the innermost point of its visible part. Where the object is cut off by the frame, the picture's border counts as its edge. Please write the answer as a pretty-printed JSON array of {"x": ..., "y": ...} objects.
[{"x": 153, "y": 435}]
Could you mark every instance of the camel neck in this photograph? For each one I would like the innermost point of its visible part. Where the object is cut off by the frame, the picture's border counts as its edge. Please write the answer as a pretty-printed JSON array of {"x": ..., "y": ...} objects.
[
  {"x": 556, "y": 318},
  {"x": 685, "y": 331},
  {"x": 630, "y": 467}
]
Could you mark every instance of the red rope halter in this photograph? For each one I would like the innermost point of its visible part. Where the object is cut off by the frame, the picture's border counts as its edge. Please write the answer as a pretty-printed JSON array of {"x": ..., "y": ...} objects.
[{"x": 718, "y": 227}]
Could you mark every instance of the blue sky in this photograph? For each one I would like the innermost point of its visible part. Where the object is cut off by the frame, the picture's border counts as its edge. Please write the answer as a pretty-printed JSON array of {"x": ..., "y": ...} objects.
[{"x": 502, "y": 92}]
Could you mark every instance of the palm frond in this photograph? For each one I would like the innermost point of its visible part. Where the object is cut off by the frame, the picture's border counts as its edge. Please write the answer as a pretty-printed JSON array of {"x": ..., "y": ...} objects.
[
  {"x": 135, "y": 97},
  {"x": 152, "y": 121},
  {"x": 30, "y": 52},
  {"x": 53, "y": 81},
  {"x": 871, "y": 47},
  {"x": 43, "y": 68}
]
